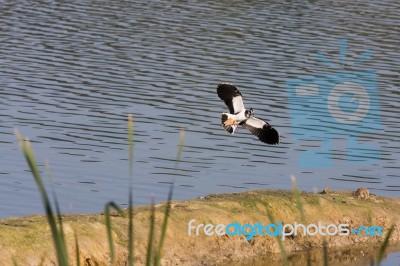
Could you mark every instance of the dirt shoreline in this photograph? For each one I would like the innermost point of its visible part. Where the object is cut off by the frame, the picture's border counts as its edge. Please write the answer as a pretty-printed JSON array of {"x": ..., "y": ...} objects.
[{"x": 28, "y": 239}]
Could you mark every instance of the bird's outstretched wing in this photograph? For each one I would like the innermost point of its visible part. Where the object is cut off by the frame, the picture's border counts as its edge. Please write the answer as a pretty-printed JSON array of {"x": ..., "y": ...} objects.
[
  {"x": 231, "y": 96},
  {"x": 262, "y": 130}
]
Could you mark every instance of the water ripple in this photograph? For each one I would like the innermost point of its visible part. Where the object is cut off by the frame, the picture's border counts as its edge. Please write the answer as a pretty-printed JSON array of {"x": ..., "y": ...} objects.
[{"x": 71, "y": 72}]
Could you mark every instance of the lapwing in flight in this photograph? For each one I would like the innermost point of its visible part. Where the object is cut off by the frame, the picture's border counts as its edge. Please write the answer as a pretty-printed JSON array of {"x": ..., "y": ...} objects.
[{"x": 238, "y": 115}]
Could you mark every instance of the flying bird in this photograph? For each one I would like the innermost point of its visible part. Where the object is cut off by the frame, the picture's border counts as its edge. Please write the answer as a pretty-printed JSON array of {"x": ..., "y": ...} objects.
[{"x": 239, "y": 115}]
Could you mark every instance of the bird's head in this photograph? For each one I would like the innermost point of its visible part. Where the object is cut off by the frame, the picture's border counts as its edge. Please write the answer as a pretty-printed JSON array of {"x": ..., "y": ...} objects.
[{"x": 249, "y": 113}]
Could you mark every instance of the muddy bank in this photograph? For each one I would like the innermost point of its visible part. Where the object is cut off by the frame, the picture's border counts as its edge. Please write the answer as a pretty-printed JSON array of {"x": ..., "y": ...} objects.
[{"x": 28, "y": 239}]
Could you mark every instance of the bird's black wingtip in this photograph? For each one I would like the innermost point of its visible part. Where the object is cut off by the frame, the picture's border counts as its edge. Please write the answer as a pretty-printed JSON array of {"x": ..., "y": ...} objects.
[
  {"x": 271, "y": 137},
  {"x": 226, "y": 91},
  {"x": 223, "y": 86}
]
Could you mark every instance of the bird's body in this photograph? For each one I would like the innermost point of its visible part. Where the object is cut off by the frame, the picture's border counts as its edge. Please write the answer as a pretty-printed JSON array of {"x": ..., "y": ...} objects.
[
  {"x": 229, "y": 122},
  {"x": 239, "y": 115}
]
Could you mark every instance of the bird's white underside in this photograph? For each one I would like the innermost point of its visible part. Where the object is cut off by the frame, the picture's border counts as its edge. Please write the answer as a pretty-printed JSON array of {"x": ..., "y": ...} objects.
[
  {"x": 255, "y": 122},
  {"x": 237, "y": 103}
]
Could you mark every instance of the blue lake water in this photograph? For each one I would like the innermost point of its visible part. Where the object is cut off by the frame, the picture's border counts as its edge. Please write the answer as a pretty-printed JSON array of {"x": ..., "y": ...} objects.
[{"x": 71, "y": 72}]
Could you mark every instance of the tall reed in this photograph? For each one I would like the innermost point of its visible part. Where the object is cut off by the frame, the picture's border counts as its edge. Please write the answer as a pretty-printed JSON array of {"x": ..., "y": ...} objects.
[
  {"x": 130, "y": 199},
  {"x": 56, "y": 230},
  {"x": 54, "y": 218},
  {"x": 384, "y": 246}
]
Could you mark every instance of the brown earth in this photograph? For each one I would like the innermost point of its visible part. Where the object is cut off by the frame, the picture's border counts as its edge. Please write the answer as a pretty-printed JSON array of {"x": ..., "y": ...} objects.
[{"x": 28, "y": 241}]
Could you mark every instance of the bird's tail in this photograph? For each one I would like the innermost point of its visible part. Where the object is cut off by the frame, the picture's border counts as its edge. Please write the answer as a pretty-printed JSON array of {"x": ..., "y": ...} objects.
[{"x": 228, "y": 123}]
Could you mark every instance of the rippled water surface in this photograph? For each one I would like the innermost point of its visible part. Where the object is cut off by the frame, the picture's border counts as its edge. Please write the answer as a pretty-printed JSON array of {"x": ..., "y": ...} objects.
[{"x": 71, "y": 72}]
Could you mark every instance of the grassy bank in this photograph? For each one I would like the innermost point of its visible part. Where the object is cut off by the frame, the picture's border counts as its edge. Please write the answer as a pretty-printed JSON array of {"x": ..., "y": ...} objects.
[{"x": 28, "y": 240}]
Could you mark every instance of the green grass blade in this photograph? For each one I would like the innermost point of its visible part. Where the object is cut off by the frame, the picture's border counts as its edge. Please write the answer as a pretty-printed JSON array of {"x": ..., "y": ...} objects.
[
  {"x": 308, "y": 258},
  {"x": 157, "y": 259},
  {"x": 297, "y": 197},
  {"x": 107, "y": 215},
  {"x": 130, "y": 142},
  {"x": 26, "y": 148},
  {"x": 326, "y": 254},
  {"x": 384, "y": 246},
  {"x": 151, "y": 235},
  {"x": 164, "y": 226},
  {"x": 61, "y": 229},
  {"x": 130, "y": 204},
  {"x": 130, "y": 230},
  {"x": 78, "y": 261},
  {"x": 180, "y": 147},
  {"x": 278, "y": 239},
  {"x": 58, "y": 210}
]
